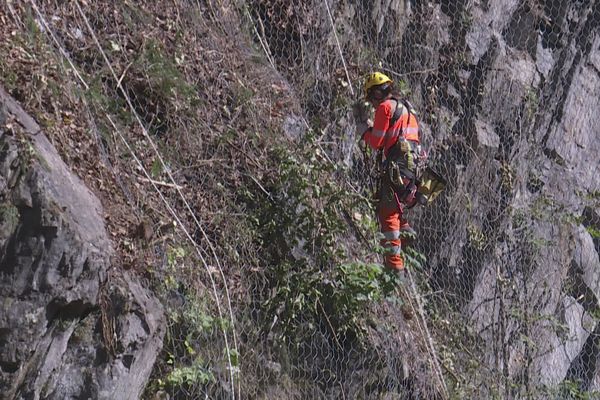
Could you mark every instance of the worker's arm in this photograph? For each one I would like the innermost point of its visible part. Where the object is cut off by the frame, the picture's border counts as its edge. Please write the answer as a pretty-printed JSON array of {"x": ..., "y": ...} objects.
[
  {"x": 375, "y": 135},
  {"x": 363, "y": 127},
  {"x": 360, "y": 111}
]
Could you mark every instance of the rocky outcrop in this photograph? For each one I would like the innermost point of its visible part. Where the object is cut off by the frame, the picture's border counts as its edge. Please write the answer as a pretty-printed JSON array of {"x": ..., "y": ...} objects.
[
  {"x": 507, "y": 94},
  {"x": 69, "y": 327},
  {"x": 522, "y": 158},
  {"x": 553, "y": 140}
]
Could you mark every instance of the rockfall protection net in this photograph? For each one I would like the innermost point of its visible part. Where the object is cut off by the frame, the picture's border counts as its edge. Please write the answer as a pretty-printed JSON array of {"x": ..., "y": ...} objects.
[
  {"x": 506, "y": 93},
  {"x": 510, "y": 281}
]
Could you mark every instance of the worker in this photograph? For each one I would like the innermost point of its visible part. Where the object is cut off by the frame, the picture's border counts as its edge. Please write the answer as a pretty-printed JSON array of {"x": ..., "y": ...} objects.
[{"x": 395, "y": 134}]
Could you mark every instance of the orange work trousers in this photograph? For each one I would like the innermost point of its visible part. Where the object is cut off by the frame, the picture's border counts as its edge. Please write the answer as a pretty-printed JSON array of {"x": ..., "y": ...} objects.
[{"x": 391, "y": 221}]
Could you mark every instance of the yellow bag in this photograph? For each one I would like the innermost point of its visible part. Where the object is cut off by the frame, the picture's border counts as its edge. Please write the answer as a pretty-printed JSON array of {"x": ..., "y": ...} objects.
[{"x": 431, "y": 184}]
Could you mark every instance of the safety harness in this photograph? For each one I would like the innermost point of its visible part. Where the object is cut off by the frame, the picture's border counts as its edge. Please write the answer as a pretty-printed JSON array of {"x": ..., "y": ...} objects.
[
  {"x": 397, "y": 171},
  {"x": 398, "y": 110},
  {"x": 396, "y": 150}
]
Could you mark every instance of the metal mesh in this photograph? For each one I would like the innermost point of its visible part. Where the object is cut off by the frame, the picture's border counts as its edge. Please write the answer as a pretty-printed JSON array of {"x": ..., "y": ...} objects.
[
  {"x": 506, "y": 94},
  {"x": 497, "y": 274}
]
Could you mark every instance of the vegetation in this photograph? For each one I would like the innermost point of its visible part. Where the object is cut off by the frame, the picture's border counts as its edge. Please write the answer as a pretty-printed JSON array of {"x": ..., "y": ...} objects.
[{"x": 281, "y": 286}]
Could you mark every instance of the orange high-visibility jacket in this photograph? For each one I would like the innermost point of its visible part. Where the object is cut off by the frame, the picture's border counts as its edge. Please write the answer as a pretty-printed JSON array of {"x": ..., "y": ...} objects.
[{"x": 382, "y": 135}]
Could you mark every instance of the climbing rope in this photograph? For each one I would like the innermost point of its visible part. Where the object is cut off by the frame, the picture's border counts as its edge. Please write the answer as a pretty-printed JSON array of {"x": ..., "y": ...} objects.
[{"x": 337, "y": 42}]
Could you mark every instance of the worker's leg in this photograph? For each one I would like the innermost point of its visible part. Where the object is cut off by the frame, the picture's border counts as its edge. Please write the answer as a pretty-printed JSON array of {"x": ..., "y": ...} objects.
[
  {"x": 389, "y": 220},
  {"x": 407, "y": 233}
]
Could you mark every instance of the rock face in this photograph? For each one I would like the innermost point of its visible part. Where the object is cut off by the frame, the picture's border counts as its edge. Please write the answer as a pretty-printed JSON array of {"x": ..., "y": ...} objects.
[
  {"x": 555, "y": 142},
  {"x": 510, "y": 111},
  {"x": 516, "y": 250},
  {"x": 69, "y": 328}
]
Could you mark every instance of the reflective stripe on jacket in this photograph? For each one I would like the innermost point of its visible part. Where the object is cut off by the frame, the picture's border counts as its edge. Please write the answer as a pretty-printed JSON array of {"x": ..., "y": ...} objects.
[{"x": 382, "y": 135}]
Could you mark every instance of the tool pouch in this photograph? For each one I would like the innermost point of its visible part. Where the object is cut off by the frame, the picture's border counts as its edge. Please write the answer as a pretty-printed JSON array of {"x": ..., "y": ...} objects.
[{"x": 431, "y": 184}]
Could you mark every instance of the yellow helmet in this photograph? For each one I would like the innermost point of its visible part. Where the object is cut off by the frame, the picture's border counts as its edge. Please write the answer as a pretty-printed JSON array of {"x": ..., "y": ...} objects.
[{"x": 375, "y": 79}]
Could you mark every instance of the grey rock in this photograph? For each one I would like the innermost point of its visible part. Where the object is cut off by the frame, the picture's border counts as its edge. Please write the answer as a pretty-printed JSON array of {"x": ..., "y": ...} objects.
[
  {"x": 486, "y": 137},
  {"x": 595, "y": 54},
  {"x": 56, "y": 295},
  {"x": 544, "y": 59},
  {"x": 294, "y": 127},
  {"x": 561, "y": 341},
  {"x": 486, "y": 25},
  {"x": 538, "y": 116},
  {"x": 509, "y": 87},
  {"x": 586, "y": 261},
  {"x": 273, "y": 368},
  {"x": 576, "y": 139}
]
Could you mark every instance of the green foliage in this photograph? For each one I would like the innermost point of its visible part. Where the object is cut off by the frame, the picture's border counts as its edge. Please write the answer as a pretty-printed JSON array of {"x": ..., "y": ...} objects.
[
  {"x": 157, "y": 88},
  {"x": 191, "y": 325},
  {"x": 476, "y": 237},
  {"x": 534, "y": 182},
  {"x": 304, "y": 220},
  {"x": 27, "y": 153},
  {"x": 593, "y": 195},
  {"x": 570, "y": 389},
  {"x": 305, "y": 215},
  {"x": 243, "y": 94},
  {"x": 185, "y": 376},
  {"x": 413, "y": 259},
  {"x": 353, "y": 288},
  {"x": 156, "y": 169},
  {"x": 196, "y": 317},
  {"x": 9, "y": 218},
  {"x": 508, "y": 176},
  {"x": 295, "y": 294},
  {"x": 35, "y": 37},
  {"x": 164, "y": 81},
  {"x": 403, "y": 87},
  {"x": 359, "y": 283},
  {"x": 544, "y": 208},
  {"x": 466, "y": 19},
  {"x": 532, "y": 102},
  {"x": 9, "y": 76},
  {"x": 593, "y": 231},
  {"x": 303, "y": 228},
  {"x": 102, "y": 102},
  {"x": 175, "y": 255},
  {"x": 341, "y": 297}
]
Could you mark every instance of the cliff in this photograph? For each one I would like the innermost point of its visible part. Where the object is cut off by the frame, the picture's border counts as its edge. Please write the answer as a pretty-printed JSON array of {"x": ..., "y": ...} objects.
[
  {"x": 71, "y": 326},
  {"x": 218, "y": 139}
]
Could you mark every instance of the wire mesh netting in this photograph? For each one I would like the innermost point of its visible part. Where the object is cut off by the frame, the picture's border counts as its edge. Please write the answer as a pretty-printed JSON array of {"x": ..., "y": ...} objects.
[
  {"x": 482, "y": 76},
  {"x": 503, "y": 285}
]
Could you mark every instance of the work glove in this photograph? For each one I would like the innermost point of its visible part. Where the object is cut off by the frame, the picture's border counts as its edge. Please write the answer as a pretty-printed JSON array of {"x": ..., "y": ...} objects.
[
  {"x": 362, "y": 127},
  {"x": 361, "y": 111}
]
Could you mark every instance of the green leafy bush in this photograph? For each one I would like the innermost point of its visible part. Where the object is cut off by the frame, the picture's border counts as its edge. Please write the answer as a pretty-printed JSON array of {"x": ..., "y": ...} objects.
[
  {"x": 180, "y": 377},
  {"x": 315, "y": 270}
]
